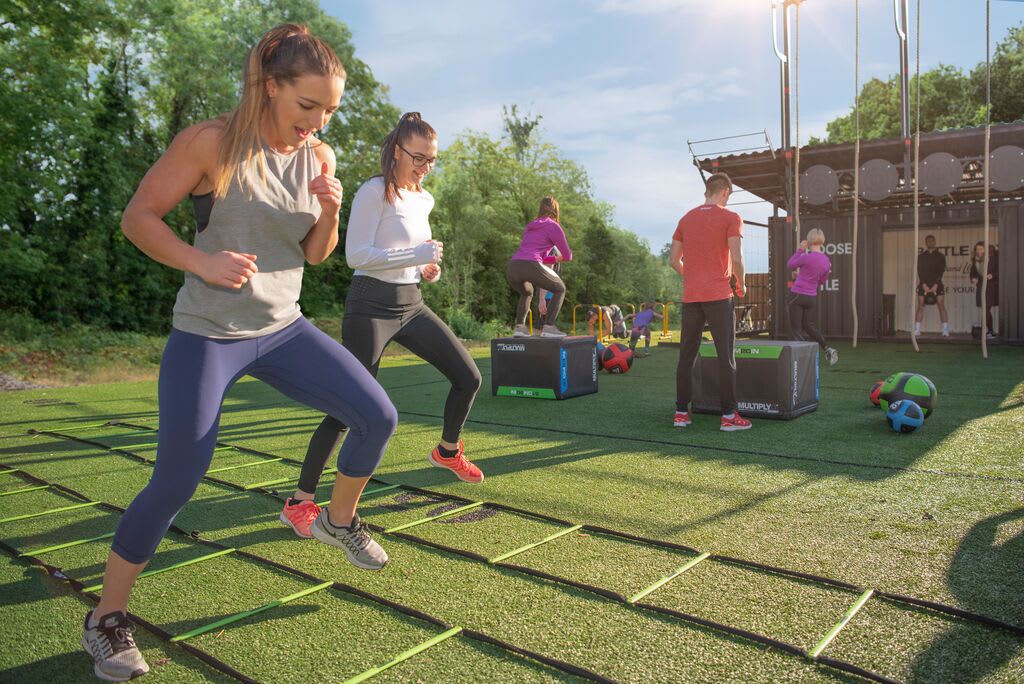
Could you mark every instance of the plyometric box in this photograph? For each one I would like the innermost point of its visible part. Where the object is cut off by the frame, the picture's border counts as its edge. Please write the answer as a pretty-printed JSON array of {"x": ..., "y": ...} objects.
[
  {"x": 773, "y": 379},
  {"x": 543, "y": 367}
]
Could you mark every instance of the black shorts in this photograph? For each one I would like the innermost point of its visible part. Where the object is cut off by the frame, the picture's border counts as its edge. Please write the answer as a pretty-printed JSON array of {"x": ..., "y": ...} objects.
[{"x": 940, "y": 291}]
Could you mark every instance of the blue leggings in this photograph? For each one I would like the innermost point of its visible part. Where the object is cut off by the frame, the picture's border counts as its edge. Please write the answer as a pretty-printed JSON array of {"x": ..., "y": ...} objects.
[{"x": 196, "y": 373}]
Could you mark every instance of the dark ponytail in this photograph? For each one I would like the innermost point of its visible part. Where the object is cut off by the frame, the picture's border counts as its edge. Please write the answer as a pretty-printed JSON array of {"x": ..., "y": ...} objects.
[{"x": 409, "y": 125}]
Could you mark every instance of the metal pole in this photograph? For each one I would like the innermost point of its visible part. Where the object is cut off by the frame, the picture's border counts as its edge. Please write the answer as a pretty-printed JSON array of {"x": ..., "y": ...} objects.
[{"x": 899, "y": 8}]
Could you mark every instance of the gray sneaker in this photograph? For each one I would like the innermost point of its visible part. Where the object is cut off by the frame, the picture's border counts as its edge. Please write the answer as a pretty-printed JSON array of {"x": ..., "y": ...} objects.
[
  {"x": 832, "y": 355},
  {"x": 355, "y": 540},
  {"x": 521, "y": 331},
  {"x": 115, "y": 656}
]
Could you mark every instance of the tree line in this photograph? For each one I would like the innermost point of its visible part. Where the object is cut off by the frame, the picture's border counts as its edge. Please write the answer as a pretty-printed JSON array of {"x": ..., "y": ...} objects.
[
  {"x": 95, "y": 90},
  {"x": 950, "y": 97}
]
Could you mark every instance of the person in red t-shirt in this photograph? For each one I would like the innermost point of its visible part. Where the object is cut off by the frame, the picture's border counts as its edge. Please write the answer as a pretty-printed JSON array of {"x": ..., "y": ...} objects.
[{"x": 706, "y": 253}]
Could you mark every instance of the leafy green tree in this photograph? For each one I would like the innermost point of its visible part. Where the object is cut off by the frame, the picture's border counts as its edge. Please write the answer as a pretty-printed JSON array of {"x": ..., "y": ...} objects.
[
  {"x": 1007, "y": 75},
  {"x": 93, "y": 92},
  {"x": 949, "y": 98}
]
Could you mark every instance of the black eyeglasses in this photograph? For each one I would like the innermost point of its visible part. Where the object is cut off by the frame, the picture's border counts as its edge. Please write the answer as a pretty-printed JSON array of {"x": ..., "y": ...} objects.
[{"x": 418, "y": 160}]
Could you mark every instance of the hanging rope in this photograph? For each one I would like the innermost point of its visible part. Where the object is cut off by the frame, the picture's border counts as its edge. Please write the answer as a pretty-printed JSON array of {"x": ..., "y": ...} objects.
[
  {"x": 917, "y": 173},
  {"x": 856, "y": 161},
  {"x": 796, "y": 97},
  {"x": 988, "y": 143}
]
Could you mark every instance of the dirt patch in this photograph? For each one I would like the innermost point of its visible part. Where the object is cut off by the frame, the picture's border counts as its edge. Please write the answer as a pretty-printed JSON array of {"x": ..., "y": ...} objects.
[{"x": 9, "y": 383}]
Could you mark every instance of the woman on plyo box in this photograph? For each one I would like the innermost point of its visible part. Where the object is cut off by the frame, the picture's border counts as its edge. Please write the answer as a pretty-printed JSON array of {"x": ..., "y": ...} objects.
[
  {"x": 529, "y": 267},
  {"x": 266, "y": 201},
  {"x": 388, "y": 244},
  {"x": 814, "y": 267}
]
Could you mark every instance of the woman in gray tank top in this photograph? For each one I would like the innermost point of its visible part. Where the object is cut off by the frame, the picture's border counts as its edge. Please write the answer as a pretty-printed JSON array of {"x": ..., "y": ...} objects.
[{"x": 266, "y": 202}]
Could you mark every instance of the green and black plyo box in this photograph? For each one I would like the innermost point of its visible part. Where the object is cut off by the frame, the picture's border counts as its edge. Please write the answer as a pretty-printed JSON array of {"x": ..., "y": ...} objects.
[
  {"x": 543, "y": 367},
  {"x": 774, "y": 379}
]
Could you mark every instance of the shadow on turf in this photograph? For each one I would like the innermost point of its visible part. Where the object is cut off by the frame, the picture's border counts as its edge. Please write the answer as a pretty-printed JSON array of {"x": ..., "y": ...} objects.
[
  {"x": 71, "y": 666},
  {"x": 986, "y": 576}
]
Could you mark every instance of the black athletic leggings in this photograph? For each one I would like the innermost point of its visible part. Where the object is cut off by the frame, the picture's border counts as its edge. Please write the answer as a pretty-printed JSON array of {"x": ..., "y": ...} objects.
[
  {"x": 377, "y": 312},
  {"x": 802, "y": 315},
  {"x": 720, "y": 319},
  {"x": 523, "y": 276}
]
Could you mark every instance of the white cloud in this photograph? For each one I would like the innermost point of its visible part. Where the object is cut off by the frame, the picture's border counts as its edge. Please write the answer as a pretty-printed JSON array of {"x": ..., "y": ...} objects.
[{"x": 650, "y": 6}]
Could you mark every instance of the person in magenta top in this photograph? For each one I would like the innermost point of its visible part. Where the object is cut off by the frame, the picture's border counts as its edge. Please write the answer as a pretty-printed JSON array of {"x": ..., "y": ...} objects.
[
  {"x": 530, "y": 267},
  {"x": 814, "y": 269}
]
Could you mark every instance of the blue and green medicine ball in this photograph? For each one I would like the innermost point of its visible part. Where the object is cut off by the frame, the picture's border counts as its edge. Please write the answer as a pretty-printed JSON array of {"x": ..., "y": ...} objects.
[
  {"x": 904, "y": 415},
  {"x": 912, "y": 386}
]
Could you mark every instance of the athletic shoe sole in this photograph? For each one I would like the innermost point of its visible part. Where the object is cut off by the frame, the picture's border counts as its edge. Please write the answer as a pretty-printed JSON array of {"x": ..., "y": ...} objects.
[
  {"x": 679, "y": 423},
  {"x": 441, "y": 465},
  {"x": 328, "y": 539},
  {"x": 735, "y": 428},
  {"x": 283, "y": 518},
  {"x": 553, "y": 335}
]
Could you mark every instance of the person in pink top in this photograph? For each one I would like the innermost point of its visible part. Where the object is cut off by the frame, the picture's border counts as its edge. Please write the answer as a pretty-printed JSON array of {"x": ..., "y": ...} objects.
[
  {"x": 814, "y": 268},
  {"x": 529, "y": 267}
]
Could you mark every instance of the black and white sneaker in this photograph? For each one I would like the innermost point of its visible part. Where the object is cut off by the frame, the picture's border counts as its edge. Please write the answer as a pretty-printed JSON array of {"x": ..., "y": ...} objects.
[
  {"x": 115, "y": 656},
  {"x": 832, "y": 355}
]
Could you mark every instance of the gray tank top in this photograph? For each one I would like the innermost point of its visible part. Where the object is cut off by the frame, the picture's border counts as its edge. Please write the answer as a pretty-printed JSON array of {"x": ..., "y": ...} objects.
[{"x": 268, "y": 219}]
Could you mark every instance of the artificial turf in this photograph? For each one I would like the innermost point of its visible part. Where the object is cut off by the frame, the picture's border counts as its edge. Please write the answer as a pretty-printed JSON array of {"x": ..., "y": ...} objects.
[{"x": 937, "y": 515}]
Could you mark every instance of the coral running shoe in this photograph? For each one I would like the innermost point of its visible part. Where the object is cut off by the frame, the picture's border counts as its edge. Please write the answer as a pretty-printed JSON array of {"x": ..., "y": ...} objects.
[
  {"x": 735, "y": 422},
  {"x": 299, "y": 515},
  {"x": 681, "y": 419},
  {"x": 458, "y": 464}
]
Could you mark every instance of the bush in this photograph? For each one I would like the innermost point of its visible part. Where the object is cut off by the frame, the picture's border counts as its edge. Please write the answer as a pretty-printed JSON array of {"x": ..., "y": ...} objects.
[
  {"x": 466, "y": 327},
  {"x": 21, "y": 327}
]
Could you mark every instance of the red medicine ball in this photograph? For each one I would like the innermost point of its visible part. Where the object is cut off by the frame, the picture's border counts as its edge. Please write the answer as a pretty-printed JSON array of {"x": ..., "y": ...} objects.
[{"x": 617, "y": 358}]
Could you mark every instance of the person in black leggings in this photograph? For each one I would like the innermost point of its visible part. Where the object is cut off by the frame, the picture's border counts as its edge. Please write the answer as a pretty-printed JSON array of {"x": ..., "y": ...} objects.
[
  {"x": 992, "y": 291},
  {"x": 389, "y": 245}
]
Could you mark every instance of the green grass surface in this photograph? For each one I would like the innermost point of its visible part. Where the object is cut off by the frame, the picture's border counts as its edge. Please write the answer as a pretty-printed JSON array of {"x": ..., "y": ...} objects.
[{"x": 937, "y": 515}]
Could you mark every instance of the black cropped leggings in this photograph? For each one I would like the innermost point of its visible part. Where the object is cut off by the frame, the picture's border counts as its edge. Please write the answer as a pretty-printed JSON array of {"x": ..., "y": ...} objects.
[
  {"x": 524, "y": 276},
  {"x": 377, "y": 312},
  {"x": 802, "y": 315}
]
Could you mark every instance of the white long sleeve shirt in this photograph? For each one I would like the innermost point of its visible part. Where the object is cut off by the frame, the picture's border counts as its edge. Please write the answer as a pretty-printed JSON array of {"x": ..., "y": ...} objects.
[{"x": 382, "y": 238}]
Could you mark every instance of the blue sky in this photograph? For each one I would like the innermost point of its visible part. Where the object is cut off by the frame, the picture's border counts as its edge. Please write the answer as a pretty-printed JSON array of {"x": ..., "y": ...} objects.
[{"x": 623, "y": 84}]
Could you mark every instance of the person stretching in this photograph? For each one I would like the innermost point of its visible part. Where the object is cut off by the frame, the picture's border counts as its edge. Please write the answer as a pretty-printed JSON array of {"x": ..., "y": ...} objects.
[
  {"x": 389, "y": 245},
  {"x": 266, "y": 201},
  {"x": 709, "y": 238},
  {"x": 599, "y": 317},
  {"x": 642, "y": 326},
  {"x": 529, "y": 267},
  {"x": 814, "y": 268}
]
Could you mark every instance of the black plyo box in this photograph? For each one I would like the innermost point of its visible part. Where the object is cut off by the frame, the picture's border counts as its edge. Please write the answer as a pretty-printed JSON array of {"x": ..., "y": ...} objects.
[
  {"x": 774, "y": 379},
  {"x": 543, "y": 367}
]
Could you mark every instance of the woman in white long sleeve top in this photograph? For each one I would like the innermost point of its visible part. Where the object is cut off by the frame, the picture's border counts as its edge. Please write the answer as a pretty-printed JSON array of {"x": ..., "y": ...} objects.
[{"x": 389, "y": 245}]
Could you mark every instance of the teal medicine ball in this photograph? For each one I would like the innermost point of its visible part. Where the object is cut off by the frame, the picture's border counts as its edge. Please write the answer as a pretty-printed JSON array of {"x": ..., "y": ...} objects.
[{"x": 912, "y": 386}]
